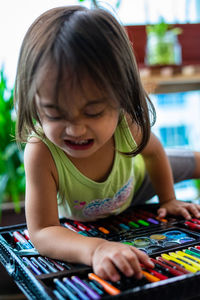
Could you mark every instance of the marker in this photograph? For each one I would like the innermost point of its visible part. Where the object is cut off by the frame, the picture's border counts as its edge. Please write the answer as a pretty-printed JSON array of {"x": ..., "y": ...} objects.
[
  {"x": 179, "y": 262},
  {"x": 133, "y": 224},
  {"x": 26, "y": 234},
  {"x": 129, "y": 222},
  {"x": 150, "y": 277},
  {"x": 150, "y": 220},
  {"x": 194, "y": 249},
  {"x": 147, "y": 213},
  {"x": 47, "y": 264},
  {"x": 167, "y": 267},
  {"x": 190, "y": 259},
  {"x": 192, "y": 252},
  {"x": 91, "y": 293},
  {"x": 32, "y": 266},
  {"x": 110, "y": 289},
  {"x": 174, "y": 265},
  {"x": 42, "y": 268},
  {"x": 70, "y": 284},
  {"x": 56, "y": 264},
  {"x": 65, "y": 290},
  {"x": 18, "y": 237},
  {"x": 195, "y": 221},
  {"x": 182, "y": 262},
  {"x": 58, "y": 295},
  {"x": 142, "y": 222},
  {"x": 95, "y": 287},
  {"x": 73, "y": 228},
  {"x": 155, "y": 273},
  {"x": 104, "y": 230},
  {"x": 192, "y": 225}
]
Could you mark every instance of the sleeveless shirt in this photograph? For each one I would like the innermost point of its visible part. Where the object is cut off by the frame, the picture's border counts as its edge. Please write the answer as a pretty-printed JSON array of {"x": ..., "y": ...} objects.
[{"x": 80, "y": 198}]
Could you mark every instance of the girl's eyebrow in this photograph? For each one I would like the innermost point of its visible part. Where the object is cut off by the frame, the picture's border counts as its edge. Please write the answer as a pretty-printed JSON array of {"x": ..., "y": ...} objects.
[
  {"x": 88, "y": 103},
  {"x": 49, "y": 105},
  {"x": 95, "y": 101}
]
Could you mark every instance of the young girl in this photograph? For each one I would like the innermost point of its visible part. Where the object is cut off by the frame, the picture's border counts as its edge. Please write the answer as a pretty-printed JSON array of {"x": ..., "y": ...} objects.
[{"x": 85, "y": 117}]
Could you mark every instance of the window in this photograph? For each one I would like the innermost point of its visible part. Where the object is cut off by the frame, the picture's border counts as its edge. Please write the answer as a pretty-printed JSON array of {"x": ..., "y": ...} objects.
[{"x": 174, "y": 136}]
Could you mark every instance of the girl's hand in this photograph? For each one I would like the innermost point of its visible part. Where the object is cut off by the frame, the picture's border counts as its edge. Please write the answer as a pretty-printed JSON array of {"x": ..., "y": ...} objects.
[
  {"x": 176, "y": 207},
  {"x": 110, "y": 256}
]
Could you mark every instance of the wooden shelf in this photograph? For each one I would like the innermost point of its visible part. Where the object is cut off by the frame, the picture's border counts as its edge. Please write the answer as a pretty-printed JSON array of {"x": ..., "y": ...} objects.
[{"x": 161, "y": 84}]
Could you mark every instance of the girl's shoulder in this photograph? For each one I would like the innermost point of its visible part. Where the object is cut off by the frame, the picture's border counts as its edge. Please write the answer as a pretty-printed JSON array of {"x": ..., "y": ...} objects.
[{"x": 38, "y": 158}]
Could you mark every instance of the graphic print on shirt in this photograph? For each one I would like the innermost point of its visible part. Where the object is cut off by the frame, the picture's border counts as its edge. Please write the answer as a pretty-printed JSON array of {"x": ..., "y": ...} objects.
[{"x": 99, "y": 207}]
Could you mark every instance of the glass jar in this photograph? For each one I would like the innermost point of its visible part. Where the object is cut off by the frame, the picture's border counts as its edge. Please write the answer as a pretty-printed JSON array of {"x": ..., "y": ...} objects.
[{"x": 163, "y": 50}]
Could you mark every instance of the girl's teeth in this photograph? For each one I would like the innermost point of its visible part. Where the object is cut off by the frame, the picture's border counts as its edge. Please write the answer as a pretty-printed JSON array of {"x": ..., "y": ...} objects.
[{"x": 80, "y": 142}]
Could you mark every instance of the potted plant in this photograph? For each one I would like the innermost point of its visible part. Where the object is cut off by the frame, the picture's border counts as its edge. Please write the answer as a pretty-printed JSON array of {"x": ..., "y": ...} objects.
[
  {"x": 162, "y": 46},
  {"x": 12, "y": 176}
]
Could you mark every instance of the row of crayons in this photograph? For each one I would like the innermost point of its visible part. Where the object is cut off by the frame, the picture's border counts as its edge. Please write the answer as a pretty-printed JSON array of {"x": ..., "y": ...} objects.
[
  {"x": 193, "y": 224},
  {"x": 166, "y": 266},
  {"x": 105, "y": 228},
  {"x": 21, "y": 239},
  {"x": 174, "y": 264},
  {"x": 44, "y": 265},
  {"x": 121, "y": 223}
]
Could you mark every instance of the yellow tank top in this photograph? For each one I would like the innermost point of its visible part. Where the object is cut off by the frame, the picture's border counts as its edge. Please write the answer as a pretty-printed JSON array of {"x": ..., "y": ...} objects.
[{"x": 80, "y": 198}]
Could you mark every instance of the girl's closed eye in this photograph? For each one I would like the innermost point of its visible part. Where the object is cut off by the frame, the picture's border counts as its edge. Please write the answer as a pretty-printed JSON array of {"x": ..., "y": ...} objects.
[
  {"x": 54, "y": 118},
  {"x": 94, "y": 114}
]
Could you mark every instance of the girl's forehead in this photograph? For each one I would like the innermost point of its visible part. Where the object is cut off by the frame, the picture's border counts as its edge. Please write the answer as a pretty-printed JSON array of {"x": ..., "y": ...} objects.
[{"x": 53, "y": 88}]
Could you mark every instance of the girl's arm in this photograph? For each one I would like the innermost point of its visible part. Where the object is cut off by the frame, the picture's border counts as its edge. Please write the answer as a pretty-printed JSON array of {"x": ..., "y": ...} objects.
[
  {"x": 159, "y": 170},
  {"x": 53, "y": 240}
]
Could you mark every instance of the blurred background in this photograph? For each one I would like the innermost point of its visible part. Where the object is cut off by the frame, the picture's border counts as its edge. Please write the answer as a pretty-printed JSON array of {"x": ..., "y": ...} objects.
[{"x": 166, "y": 40}]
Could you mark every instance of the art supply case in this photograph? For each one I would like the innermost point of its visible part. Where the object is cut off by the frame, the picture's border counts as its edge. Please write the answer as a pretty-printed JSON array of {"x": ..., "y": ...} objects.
[{"x": 157, "y": 238}]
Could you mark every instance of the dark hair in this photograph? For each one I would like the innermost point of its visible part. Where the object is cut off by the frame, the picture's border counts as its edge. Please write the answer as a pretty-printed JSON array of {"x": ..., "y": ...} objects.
[{"x": 84, "y": 41}]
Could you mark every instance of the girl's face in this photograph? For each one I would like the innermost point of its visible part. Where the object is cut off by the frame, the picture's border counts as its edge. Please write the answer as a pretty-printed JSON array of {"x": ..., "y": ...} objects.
[{"x": 80, "y": 125}]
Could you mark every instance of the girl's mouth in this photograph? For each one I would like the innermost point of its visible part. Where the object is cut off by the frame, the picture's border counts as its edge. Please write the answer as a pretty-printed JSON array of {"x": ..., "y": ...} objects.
[{"x": 79, "y": 145}]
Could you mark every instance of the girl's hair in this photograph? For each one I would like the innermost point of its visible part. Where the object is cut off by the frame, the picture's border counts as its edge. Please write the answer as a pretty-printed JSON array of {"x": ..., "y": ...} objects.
[{"x": 83, "y": 42}]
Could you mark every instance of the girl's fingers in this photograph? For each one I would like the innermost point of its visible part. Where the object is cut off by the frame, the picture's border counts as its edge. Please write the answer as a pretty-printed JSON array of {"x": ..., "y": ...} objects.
[
  {"x": 107, "y": 271},
  {"x": 143, "y": 257},
  {"x": 195, "y": 210},
  {"x": 127, "y": 263},
  {"x": 184, "y": 212},
  {"x": 162, "y": 212}
]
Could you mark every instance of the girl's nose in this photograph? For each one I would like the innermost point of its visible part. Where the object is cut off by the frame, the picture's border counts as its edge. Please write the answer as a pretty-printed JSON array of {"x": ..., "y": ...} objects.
[{"x": 75, "y": 130}]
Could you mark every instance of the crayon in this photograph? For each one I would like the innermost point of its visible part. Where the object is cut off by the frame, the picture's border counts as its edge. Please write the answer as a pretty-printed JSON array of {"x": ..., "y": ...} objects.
[
  {"x": 156, "y": 274},
  {"x": 174, "y": 265},
  {"x": 181, "y": 261},
  {"x": 192, "y": 226},
  {"x": 150, "y": 277},
  {"x": 58, "y": 295},
  {"x": 147, "y": 213},
  {"x": 47, "y": 264},
  {"x": 26, "y": 234},
  {"x": 56, "y": 264},
  {"x": 41, "y": 267},
  {"x": 32, "y": 266},
  {"x": 95, "y": 287},
  {"x": 76, "y": 290},
  {"x": 192, "y": 252},
  {"x": 92, "y": 294},
  {"x": 167, "y": 267},
  {"x": 73, "y": 228},
  {"x": 110, "y": 289},
  {"x": 190, "y": 259},
  {"x": 141, "y": 222},
  {"x": 150, "y": 220},
  {"x": 18, "y": 237},
  {"x": 65, "y": 290}
]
